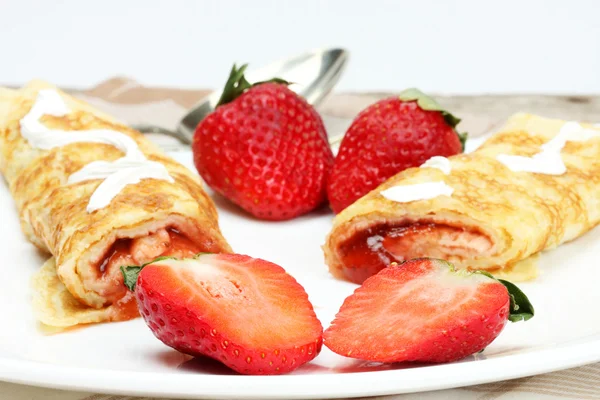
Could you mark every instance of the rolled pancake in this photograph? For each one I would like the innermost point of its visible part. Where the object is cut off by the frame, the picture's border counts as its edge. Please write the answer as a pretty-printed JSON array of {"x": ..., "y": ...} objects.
[
  {"x": 495, "y": 218},
  {"x": 151, "y": 218}
]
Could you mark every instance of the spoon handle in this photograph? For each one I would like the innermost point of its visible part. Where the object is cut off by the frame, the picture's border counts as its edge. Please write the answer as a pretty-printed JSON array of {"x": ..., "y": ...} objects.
[
  {"x": 185, "y": 139},
  {"x": 144, "y": 128}
]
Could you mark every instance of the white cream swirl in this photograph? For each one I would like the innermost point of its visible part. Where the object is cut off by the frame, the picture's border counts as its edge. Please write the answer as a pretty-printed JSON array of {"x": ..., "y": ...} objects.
[
  {"x": 423, "y": 191},
  {"x": 128, "y": 170},
  {"x": 438, "y": 162},
  {"x": 549, "y": 160},
  {"x": 418, "y": 191}
]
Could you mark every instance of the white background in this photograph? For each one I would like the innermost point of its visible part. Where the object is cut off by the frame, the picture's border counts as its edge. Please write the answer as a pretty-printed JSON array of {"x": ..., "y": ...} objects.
[{"x": 463, "y": 46}]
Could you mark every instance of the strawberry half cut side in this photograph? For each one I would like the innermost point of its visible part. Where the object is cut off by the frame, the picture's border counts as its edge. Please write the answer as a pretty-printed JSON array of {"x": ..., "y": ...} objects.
[
  {"x": 247, "y": 313},
  {"x": 425, "y": 310}
]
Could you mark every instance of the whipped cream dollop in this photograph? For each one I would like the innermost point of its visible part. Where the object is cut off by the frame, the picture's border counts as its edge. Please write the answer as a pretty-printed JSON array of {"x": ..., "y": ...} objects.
[
  {"x": 549, "y": 160},
  {"x": 128, "y": 170},
  {"x": 418, "y": 191},
  {"x": 423, "y": 191},
  {"x": 439, "y": 162}
]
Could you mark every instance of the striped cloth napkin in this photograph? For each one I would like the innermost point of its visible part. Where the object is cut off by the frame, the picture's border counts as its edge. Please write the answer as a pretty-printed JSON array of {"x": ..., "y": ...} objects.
[{"x": 132, "y": 103}]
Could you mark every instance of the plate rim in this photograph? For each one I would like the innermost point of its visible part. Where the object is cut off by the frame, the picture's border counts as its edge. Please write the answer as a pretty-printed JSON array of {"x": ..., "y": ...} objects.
[
  {"x": 191, "y": 385},
  {"x": 532, "y": 361}
]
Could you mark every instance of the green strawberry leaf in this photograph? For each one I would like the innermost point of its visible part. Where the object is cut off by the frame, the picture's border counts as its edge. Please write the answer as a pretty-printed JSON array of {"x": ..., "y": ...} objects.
[
  {"x": 237, "y": 84},
  {"x": 521, "y": 308},
  {"x": 130, "y": 275},
  {"x": 196, "y": 256},
  {"x": 273, "y": 80},
  {"x": 131, "y": 272},
  {"x": 429, "y": 103},
  {"x": 463, "y": 139}
]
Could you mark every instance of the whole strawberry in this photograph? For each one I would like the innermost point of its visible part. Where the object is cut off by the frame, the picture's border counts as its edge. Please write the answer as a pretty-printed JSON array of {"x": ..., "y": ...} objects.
[
  {"x": 388, "y": 137},
  {"x": 425, "y": 310},
  {"x": 265, "y": 149},
  {"x": 245, "y": 312}
]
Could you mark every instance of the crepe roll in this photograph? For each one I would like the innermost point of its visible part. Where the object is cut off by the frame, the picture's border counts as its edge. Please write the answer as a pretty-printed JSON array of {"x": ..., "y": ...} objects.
[
  {"x": 95, "y": 195},
  {"x": 530, "y": 187}
]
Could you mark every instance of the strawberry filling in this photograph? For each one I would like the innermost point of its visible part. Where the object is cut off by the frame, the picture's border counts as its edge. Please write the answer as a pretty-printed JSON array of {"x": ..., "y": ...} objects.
[
  {"x": 371, "y": 250},
  {"x": 137, "y": 251}
]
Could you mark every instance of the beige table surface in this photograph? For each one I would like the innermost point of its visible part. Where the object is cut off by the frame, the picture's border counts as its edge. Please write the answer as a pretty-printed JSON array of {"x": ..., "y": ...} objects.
[{"x": 134, "y": 103}]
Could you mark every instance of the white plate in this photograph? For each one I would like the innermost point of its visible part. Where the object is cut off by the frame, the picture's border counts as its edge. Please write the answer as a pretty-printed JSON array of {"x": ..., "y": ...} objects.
[{"x": 125, "y": 358}]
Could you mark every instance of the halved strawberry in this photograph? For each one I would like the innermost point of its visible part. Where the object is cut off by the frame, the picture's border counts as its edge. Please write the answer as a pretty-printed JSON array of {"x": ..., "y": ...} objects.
[
  {"x": 424, "y": 310},
  {"x": 247, "y": 313}
]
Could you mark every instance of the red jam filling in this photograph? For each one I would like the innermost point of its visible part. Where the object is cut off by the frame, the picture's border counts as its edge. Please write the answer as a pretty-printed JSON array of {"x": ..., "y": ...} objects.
[
  {"x": 169, "y": 242},
  {"x": 164, "y": 242},
  {"x": 373, "y": 249}
]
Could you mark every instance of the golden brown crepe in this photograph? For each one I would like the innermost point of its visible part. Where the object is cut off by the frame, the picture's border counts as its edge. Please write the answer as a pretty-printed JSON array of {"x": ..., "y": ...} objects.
[
  {"x": 82, "y": 282},
  {"x": 494, "y": 219}
]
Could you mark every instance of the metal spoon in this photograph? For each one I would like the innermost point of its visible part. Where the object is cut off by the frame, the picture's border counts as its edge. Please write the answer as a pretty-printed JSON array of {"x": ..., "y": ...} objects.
[{"x": 314, "y": 74}]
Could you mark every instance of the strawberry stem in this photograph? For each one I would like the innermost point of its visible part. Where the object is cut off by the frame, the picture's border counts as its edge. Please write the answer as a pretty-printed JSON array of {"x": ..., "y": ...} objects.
[
  {"x": 237, "y": 84},
  {"x": 463, "y": 139},
  {"x": 521, "y": 308},
  {"x": 131, "y": 272},
  {"x": 429, "y": 104},
  {"x": 130, "y": 275}
]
